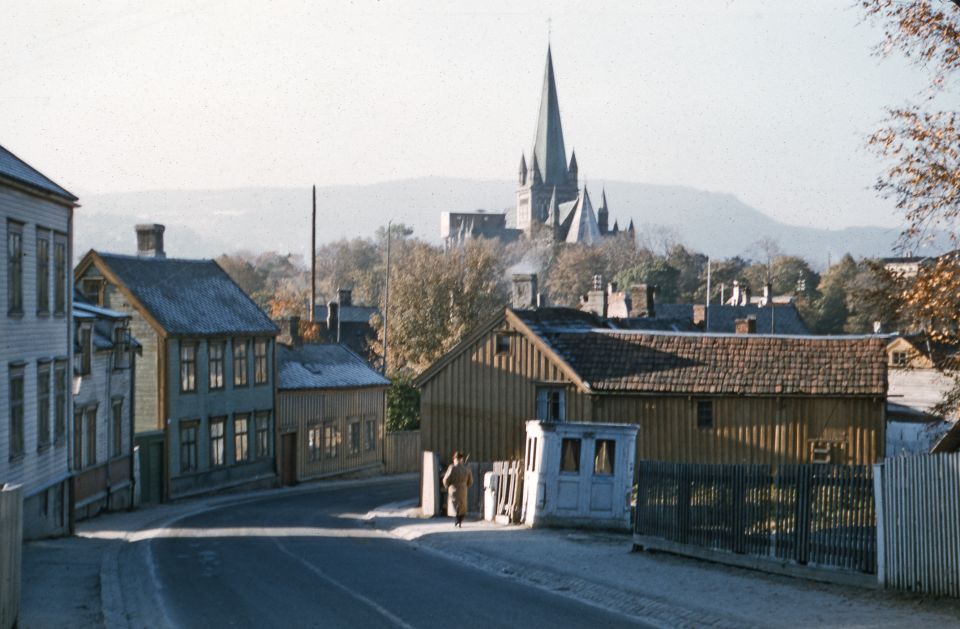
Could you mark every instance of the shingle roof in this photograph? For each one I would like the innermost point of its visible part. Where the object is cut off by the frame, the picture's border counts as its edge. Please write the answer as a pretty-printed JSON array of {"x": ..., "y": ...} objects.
[
  {"x": 15, "y": 168},
  {"x": 190, "y": 297},
  {"x": 753, "y": 364},
  {"x": 324, "y": 366},
  {"x": 777, "y": 319}
]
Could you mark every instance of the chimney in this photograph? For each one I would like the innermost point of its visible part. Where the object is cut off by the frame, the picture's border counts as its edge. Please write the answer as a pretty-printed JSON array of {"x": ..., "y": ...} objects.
[
  {"x": 150, "y": 241},
  {"x": 333, "y": 320},
  {"x": 345, "y": 297},
  {"x": 295, "y": 339},
  {"x": 767, "y": 295},
  {"x": 745, "y": 295},
  {"x": 699, "y": 315},
  {"x": 746, "y": 326},
  {"x": 595, "y": 300},
  {"x": 524, "y": 295},
  {"x": 642, "y": 300}
]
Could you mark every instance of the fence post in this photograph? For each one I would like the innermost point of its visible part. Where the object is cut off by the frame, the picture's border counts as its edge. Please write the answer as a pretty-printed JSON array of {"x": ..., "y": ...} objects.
[{"x": 878, "y": 508}]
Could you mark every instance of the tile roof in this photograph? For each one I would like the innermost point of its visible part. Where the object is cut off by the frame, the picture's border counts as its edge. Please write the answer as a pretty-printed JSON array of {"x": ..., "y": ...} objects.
[
  {"x": 608, "y": 360},
  {"x": 15, "y": 168},
  {"x": 777, "y": 319},
  {"x": 324, "y": 366},
  {"x": 545, "y": 320},
  {"x": 190, "y": 297}
]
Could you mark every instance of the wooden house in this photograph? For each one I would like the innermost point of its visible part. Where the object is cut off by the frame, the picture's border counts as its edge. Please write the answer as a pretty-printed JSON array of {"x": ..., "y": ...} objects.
[
  {"x": 36, "y": 341},
  {"x": 330, "y": 409},
  {"x": 707, "y": 398},
  {"x": 204, "y": 395},
  {"x": 102, "y": 427}
]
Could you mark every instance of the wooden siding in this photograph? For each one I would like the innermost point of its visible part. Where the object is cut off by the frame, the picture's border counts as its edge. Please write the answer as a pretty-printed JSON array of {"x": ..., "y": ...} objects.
[
  {"x": 29, "y": 338},
  {"x": 478, "y": 402},
  {"x": 298, "y": 411},
  {"x": 401, "y": 452}
]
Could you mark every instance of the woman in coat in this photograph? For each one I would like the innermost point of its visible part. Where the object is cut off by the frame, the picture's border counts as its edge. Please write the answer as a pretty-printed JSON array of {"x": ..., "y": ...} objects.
[{"x": 457, "y": 479}]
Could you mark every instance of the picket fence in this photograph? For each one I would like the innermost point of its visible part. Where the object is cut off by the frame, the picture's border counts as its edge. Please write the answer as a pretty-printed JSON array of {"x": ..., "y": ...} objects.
[{"x": 11, "y": 541}]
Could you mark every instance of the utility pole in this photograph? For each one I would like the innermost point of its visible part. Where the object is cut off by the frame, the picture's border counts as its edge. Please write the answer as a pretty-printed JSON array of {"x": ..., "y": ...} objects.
[
  {"x": 707, "y": 327},
  {"x": 313, "y": 258},
  {"x": 386, "y": 300}
]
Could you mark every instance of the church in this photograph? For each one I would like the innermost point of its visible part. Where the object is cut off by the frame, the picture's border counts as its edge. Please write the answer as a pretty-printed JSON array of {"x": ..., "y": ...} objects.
[{"x": 550, "y": 202}]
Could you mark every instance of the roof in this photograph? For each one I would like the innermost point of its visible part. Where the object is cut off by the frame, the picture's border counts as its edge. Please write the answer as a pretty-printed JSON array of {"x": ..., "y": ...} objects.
[
  {"x": 324, "y": 366},
  {"x": 103, "y": 320},
  {"x": 776, "y": 319},
  {"x": 623, "y": 361},
  {"x": 583, "y": 227},
  {"x": 189, "y": 297},
  {"x": 348, "y": 314},
  {"x": 950, "y": 442},
  {"x": 15, "y": 168},
  {"x": 549, "y": 153},
  {"x": 547, "y": 320}
]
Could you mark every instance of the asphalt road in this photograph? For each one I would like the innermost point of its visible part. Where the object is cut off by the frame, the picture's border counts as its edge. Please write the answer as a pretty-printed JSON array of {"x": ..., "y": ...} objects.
[{"x": 304, "y": 560}]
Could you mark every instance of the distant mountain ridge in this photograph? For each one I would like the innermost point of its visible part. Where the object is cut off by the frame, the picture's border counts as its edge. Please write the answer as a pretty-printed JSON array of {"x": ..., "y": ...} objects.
[{"x": 206, "y": 223}]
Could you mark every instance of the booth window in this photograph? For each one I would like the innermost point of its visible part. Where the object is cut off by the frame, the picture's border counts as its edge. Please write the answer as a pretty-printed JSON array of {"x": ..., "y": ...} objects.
[
  {"x": 604, "y": 456},
  {"x": 570, "y": 455}
]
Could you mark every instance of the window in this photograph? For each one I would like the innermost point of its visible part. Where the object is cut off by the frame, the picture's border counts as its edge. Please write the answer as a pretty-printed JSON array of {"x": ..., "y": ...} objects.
[
  {"x": 91, "y": 437},
  {"x": 604, "y": 456},
  {"x": 239, "y": 363},
  {"x": 43, "y": 405},
  {"x": 704, "y": 414},
  {"x": 188, "y": 445},
  {"x": 570, "y": 455},
  {"x": 43, "y": 272},
  {"x": 215, "y": 354},
  {"x": 263, "y": 435},
  {"x": 16, "y": 411},
  {"x": 898, "y": 359},
  {"x": 240, "y": 451},
  {"x": 14, "y": 268},
  {"x": 260, "y": 375},
  {"x": 370, "y": 437},
  {"x": 313, "y": 443},
  {"x": 78, "y": 438},
  {"x": 331, "y": 439},
  {"x": 92, "y": 288},
  {"x": 121, "y": 347},
  {"x": 503, "y": 344},
  {"x": 116, "y": 448},
  {"x": 188, "y": 367},
  {"x": 86, "y": 348},
  {"x": 60, "y": 274},
  {"x": 531, "y": 454},
  {"x": 60, "y": 402},
  {"x": 551, "y": 404},
  {"x": 217, "y": 441},
  {"x": 353, "y": 436}
]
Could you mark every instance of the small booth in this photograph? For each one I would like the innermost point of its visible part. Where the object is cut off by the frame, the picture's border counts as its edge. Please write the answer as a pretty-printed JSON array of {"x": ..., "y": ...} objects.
[{"x": 579, "y": 474}]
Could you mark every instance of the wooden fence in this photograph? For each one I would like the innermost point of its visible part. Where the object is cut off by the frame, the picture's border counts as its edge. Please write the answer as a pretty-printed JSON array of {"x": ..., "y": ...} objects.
[
  {"x": 919, "y": 523},
  {"x": 401, "y": 451},
  {"x": 11, "y": 541},
  {"x": 810, "y": 514}
]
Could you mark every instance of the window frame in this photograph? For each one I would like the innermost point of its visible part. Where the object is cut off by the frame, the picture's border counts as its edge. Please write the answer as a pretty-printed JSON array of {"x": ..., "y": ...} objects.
[
  {"x": 315, "y": 442},
  {"x": 116, "y": 433},
  {"x": 189, "y": 433},
  {"x": 43, "y": 272},
  {"x": 90, "y": 436},
  {"x": 576, "y": 443},
  {"x": 17, "y": 408},
  {"x": 370, "y": 435},
  {"x": 240, "y": 376},
  {"x": 262, "y": 427},
  {"x": 503, "y": 344},
  {"x": 43, "y": 404},
  {"x": 61, "y": 407},
  {"x": 60, "y": 281},
  {"x": 610, "y": 459},
  {"x": 78, "y": 413},
  {"x": 899, "y": 358},
  {"x": 14, "y": 251},
  {"x": 331, "y": 440},
  {"x": 218, "y": 442},
  {"x": 353, "y": 436},
  {"x": 241, "y": 439},
  {"x": 188, "y": 367},
  {"x": 545, "y": 407},
  {"x": 85, "y": 340},
  {"x": 216, "y": 366},
  {"x": 704, "y": 414},
  {"x": 261, "y": 362}
]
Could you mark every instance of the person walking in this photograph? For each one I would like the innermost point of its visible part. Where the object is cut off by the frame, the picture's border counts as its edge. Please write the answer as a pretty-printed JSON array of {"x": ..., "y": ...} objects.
[{"x": 457, "y": 479}]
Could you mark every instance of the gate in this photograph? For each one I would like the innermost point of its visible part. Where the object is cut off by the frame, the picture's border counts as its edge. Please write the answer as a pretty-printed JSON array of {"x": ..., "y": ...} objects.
[{"x": 152, "y": 466}]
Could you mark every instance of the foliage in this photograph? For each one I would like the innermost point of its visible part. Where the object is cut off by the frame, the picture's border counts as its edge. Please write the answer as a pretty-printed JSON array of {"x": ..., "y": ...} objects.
[
  {"x": 403, "y": 404},
  {"x": 655, "y": 271},
  {"x": 571, "y": 273}
]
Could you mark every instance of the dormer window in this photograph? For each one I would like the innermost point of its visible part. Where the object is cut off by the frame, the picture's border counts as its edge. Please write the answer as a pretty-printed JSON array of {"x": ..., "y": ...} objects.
[
  {"x": 899, "y": 358},
  {"x": 92, "y": 289}
]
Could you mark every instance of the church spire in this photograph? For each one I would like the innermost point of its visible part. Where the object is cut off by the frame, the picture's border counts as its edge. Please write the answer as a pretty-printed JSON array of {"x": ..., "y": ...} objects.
[{"x": 548, "y": 150}]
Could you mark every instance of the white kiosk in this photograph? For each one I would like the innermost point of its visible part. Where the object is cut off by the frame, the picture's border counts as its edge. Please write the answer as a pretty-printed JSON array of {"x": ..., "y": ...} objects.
[{"x": 579, "y": 474}]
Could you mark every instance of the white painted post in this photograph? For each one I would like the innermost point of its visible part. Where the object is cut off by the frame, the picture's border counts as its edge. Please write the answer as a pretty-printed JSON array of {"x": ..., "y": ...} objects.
[
  {"x": 430, "y": 487},
  {"x": 878, "y": 501}
]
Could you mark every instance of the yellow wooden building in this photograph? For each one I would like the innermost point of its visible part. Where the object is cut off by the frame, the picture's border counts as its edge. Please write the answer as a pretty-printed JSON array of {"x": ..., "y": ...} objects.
[{"x": 704, "y": 398}]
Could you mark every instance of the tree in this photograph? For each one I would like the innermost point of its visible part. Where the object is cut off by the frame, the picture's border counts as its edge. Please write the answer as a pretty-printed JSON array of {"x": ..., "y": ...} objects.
[
  {"x": 654, "y": 271},
  {"x": 403, "y": 404},
  {"x": 571, "y": 273}
]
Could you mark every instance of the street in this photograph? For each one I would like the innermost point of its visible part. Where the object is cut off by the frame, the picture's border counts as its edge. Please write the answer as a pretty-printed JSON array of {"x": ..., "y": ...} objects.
[{"x": 301, "y": 560}]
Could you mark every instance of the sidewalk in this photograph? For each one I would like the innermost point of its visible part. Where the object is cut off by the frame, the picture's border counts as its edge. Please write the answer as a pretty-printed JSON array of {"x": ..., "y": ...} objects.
[{"x": 600, "y": 569}]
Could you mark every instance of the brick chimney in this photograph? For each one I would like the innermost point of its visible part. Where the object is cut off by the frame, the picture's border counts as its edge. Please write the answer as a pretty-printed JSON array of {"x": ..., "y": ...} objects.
[
  {"x": 345, "y": 297},
  {"x": 700, "y": 315},
  {"x": 524, "y": 294},
  {"x": 294, "y": 325},
  {"x": 642, "y": 300},
  {"x": 745, "y": 326},
  {"x": 150, "y": 241},
  {"x": 333, "y": 320},
  {"x": 595, "y": 300}
]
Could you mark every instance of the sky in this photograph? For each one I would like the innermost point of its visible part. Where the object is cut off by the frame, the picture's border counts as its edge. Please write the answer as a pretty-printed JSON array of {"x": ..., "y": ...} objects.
[{"x": 772, "y": 106}]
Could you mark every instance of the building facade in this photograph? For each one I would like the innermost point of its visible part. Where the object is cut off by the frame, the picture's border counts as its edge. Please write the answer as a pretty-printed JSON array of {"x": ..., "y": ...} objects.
[
  {"x": 102, "y": 426},
  {"x": 204, "y": 395},
  {"x": 36, "y": 372}
]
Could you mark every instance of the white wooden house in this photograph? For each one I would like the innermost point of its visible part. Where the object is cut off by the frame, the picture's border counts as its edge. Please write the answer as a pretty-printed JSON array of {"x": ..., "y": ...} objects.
[{"x": 36, "y": 219}]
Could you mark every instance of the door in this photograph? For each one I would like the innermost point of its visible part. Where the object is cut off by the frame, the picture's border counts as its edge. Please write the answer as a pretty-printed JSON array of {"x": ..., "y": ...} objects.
[
  {"x": 288, "y": 458},
  {"x": 151, "y": 467}
]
